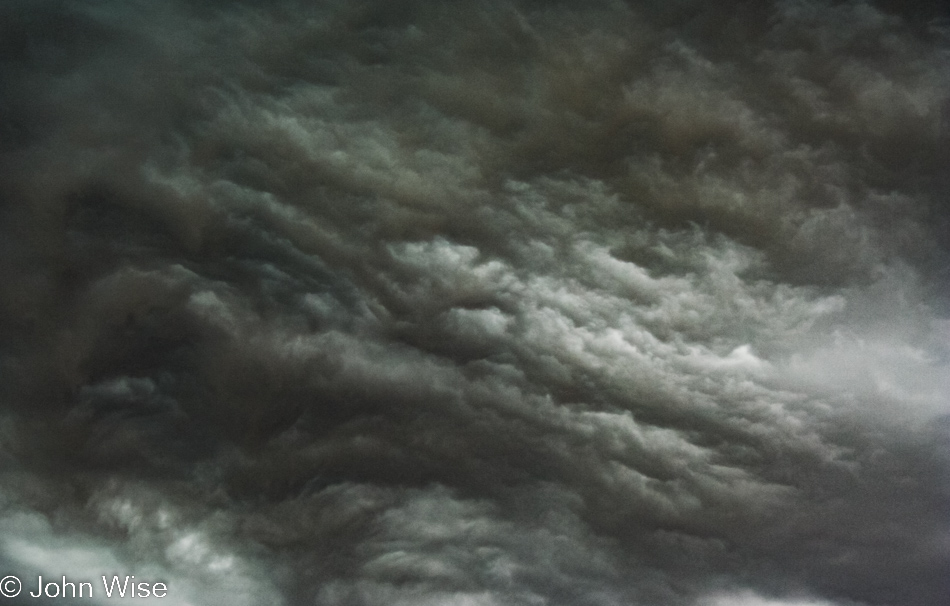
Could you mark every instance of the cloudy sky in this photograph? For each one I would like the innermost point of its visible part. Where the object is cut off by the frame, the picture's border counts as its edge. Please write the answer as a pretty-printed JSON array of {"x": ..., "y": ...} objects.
[{"x": 486, "y": 303}]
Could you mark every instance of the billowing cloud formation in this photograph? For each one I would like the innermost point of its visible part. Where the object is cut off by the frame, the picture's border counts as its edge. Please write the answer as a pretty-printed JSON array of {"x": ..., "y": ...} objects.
[{"x": 497, "y": 303}]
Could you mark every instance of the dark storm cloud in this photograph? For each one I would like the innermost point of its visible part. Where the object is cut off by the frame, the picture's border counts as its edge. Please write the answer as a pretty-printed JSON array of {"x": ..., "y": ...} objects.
[{"x": 489, "y": 304}]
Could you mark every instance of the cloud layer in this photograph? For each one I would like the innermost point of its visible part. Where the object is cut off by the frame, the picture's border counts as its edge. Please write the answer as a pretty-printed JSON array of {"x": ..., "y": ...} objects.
[{"x": 496, "y": 303}]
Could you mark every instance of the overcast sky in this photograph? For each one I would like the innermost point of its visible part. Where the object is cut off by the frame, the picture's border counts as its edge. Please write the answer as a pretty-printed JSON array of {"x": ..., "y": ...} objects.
[{"x": 486, "y": 303}]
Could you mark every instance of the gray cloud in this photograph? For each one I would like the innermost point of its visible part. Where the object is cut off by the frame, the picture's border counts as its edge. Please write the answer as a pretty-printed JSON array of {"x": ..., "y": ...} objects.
[{"x": 504, "y": 303}]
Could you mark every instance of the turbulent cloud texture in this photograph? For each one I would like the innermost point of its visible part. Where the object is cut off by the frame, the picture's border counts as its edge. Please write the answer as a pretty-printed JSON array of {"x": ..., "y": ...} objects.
[{"x": 495, "y": 303}]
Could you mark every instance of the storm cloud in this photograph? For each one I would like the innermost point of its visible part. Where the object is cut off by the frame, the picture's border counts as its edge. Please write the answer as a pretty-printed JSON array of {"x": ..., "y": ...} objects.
[{"x": 498, "y": 303}]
